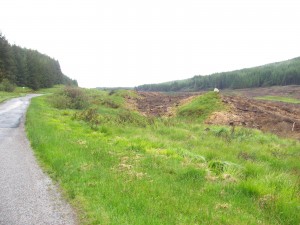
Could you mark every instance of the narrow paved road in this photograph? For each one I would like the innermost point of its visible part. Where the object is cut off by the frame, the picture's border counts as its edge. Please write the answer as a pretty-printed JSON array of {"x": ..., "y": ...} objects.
[{"x": 27, "y": 195}]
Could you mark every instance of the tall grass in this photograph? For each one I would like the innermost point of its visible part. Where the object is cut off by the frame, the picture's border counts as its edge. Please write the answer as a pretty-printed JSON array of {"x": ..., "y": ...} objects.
[{"x": 136, "y": 170}]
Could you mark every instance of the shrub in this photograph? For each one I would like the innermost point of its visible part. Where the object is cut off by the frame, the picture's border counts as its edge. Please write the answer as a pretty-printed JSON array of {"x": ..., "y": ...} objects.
[
  {"x": 7, "y": 86},
  {"x": 78, "y": 99},
  {"x": 70, "y": 97}
]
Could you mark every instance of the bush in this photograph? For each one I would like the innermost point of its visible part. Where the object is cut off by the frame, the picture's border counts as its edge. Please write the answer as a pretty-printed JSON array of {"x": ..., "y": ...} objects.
[
  {"x": 7, "y": 86},
  {"x": 78, "y": 99},
  {"x": 70, "y": 97}
]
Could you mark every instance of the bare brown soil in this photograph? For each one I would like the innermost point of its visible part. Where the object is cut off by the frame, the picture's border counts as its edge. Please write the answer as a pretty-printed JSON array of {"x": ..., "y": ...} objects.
[
  {"x": 161, "y": 104},
  {"x": 280, "y": 118}
]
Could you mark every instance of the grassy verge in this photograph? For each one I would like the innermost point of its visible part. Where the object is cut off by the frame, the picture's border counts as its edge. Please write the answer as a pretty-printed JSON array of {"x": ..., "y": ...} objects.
[
  {"x": 279, "y": 99},
  {"x": 134, "y": 170},
  {"x": 7, "y": 95},
  {"x": 18, "y": 92}
]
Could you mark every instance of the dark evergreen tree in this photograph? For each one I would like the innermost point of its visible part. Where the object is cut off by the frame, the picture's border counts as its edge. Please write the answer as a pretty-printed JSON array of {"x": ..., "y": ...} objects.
[
  {"x": 25, "y": 67},
  {"x": 281, "y": 73}
]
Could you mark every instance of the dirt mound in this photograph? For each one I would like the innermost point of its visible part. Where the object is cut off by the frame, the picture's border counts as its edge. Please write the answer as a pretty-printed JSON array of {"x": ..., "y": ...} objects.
[
  {"x": 161, "y": 104},
  {"x": 280, "y": 118}
]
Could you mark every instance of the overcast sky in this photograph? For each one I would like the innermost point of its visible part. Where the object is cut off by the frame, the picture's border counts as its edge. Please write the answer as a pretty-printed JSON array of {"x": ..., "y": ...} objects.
[{"x": 132, "y": 42}]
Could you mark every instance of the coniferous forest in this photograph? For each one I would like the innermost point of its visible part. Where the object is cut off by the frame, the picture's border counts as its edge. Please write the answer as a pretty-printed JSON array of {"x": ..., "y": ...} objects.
[
  {"x": 29, "y": 68},
  {"x": 280, "y": 73}
]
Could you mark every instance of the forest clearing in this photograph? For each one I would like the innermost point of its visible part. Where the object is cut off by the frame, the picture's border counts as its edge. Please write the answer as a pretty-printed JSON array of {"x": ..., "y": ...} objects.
[{"x": 244, "y": 109}]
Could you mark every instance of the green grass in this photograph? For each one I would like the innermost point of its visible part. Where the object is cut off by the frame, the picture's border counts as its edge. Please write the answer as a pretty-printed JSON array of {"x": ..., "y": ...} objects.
[
  {"x": 18, "y": 92},
  {"x": 279, "y": 99},
  {"x": 136, "y": 170},
  {"x": 200, "y": 107},
  {"x": 8, "y": 95}
]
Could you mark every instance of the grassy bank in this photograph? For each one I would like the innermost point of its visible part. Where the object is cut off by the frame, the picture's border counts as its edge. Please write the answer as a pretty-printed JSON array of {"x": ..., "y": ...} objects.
[{"x": 129, "y": 169}]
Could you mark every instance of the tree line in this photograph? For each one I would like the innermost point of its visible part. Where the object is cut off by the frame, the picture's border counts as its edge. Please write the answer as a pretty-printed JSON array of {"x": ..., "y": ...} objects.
[
  {"x": 29, "y": 68},
  {"x": 280, "y": 73}
]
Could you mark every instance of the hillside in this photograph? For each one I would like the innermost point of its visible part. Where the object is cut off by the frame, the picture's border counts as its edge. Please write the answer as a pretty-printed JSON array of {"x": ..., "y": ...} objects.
[
  {"x": 29, "y": 68},
  {"x": 279, "y": 73}
]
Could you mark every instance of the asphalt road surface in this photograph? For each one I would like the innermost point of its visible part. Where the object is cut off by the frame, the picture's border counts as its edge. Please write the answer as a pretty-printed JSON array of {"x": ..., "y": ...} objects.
[{"x": 27, "y": 195}]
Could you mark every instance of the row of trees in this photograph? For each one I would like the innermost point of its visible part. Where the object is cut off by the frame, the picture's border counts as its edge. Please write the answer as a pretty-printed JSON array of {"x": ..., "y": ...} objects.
[
  {"x": 25, "y": 67},
  {"x": 281, "y": 73}
]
